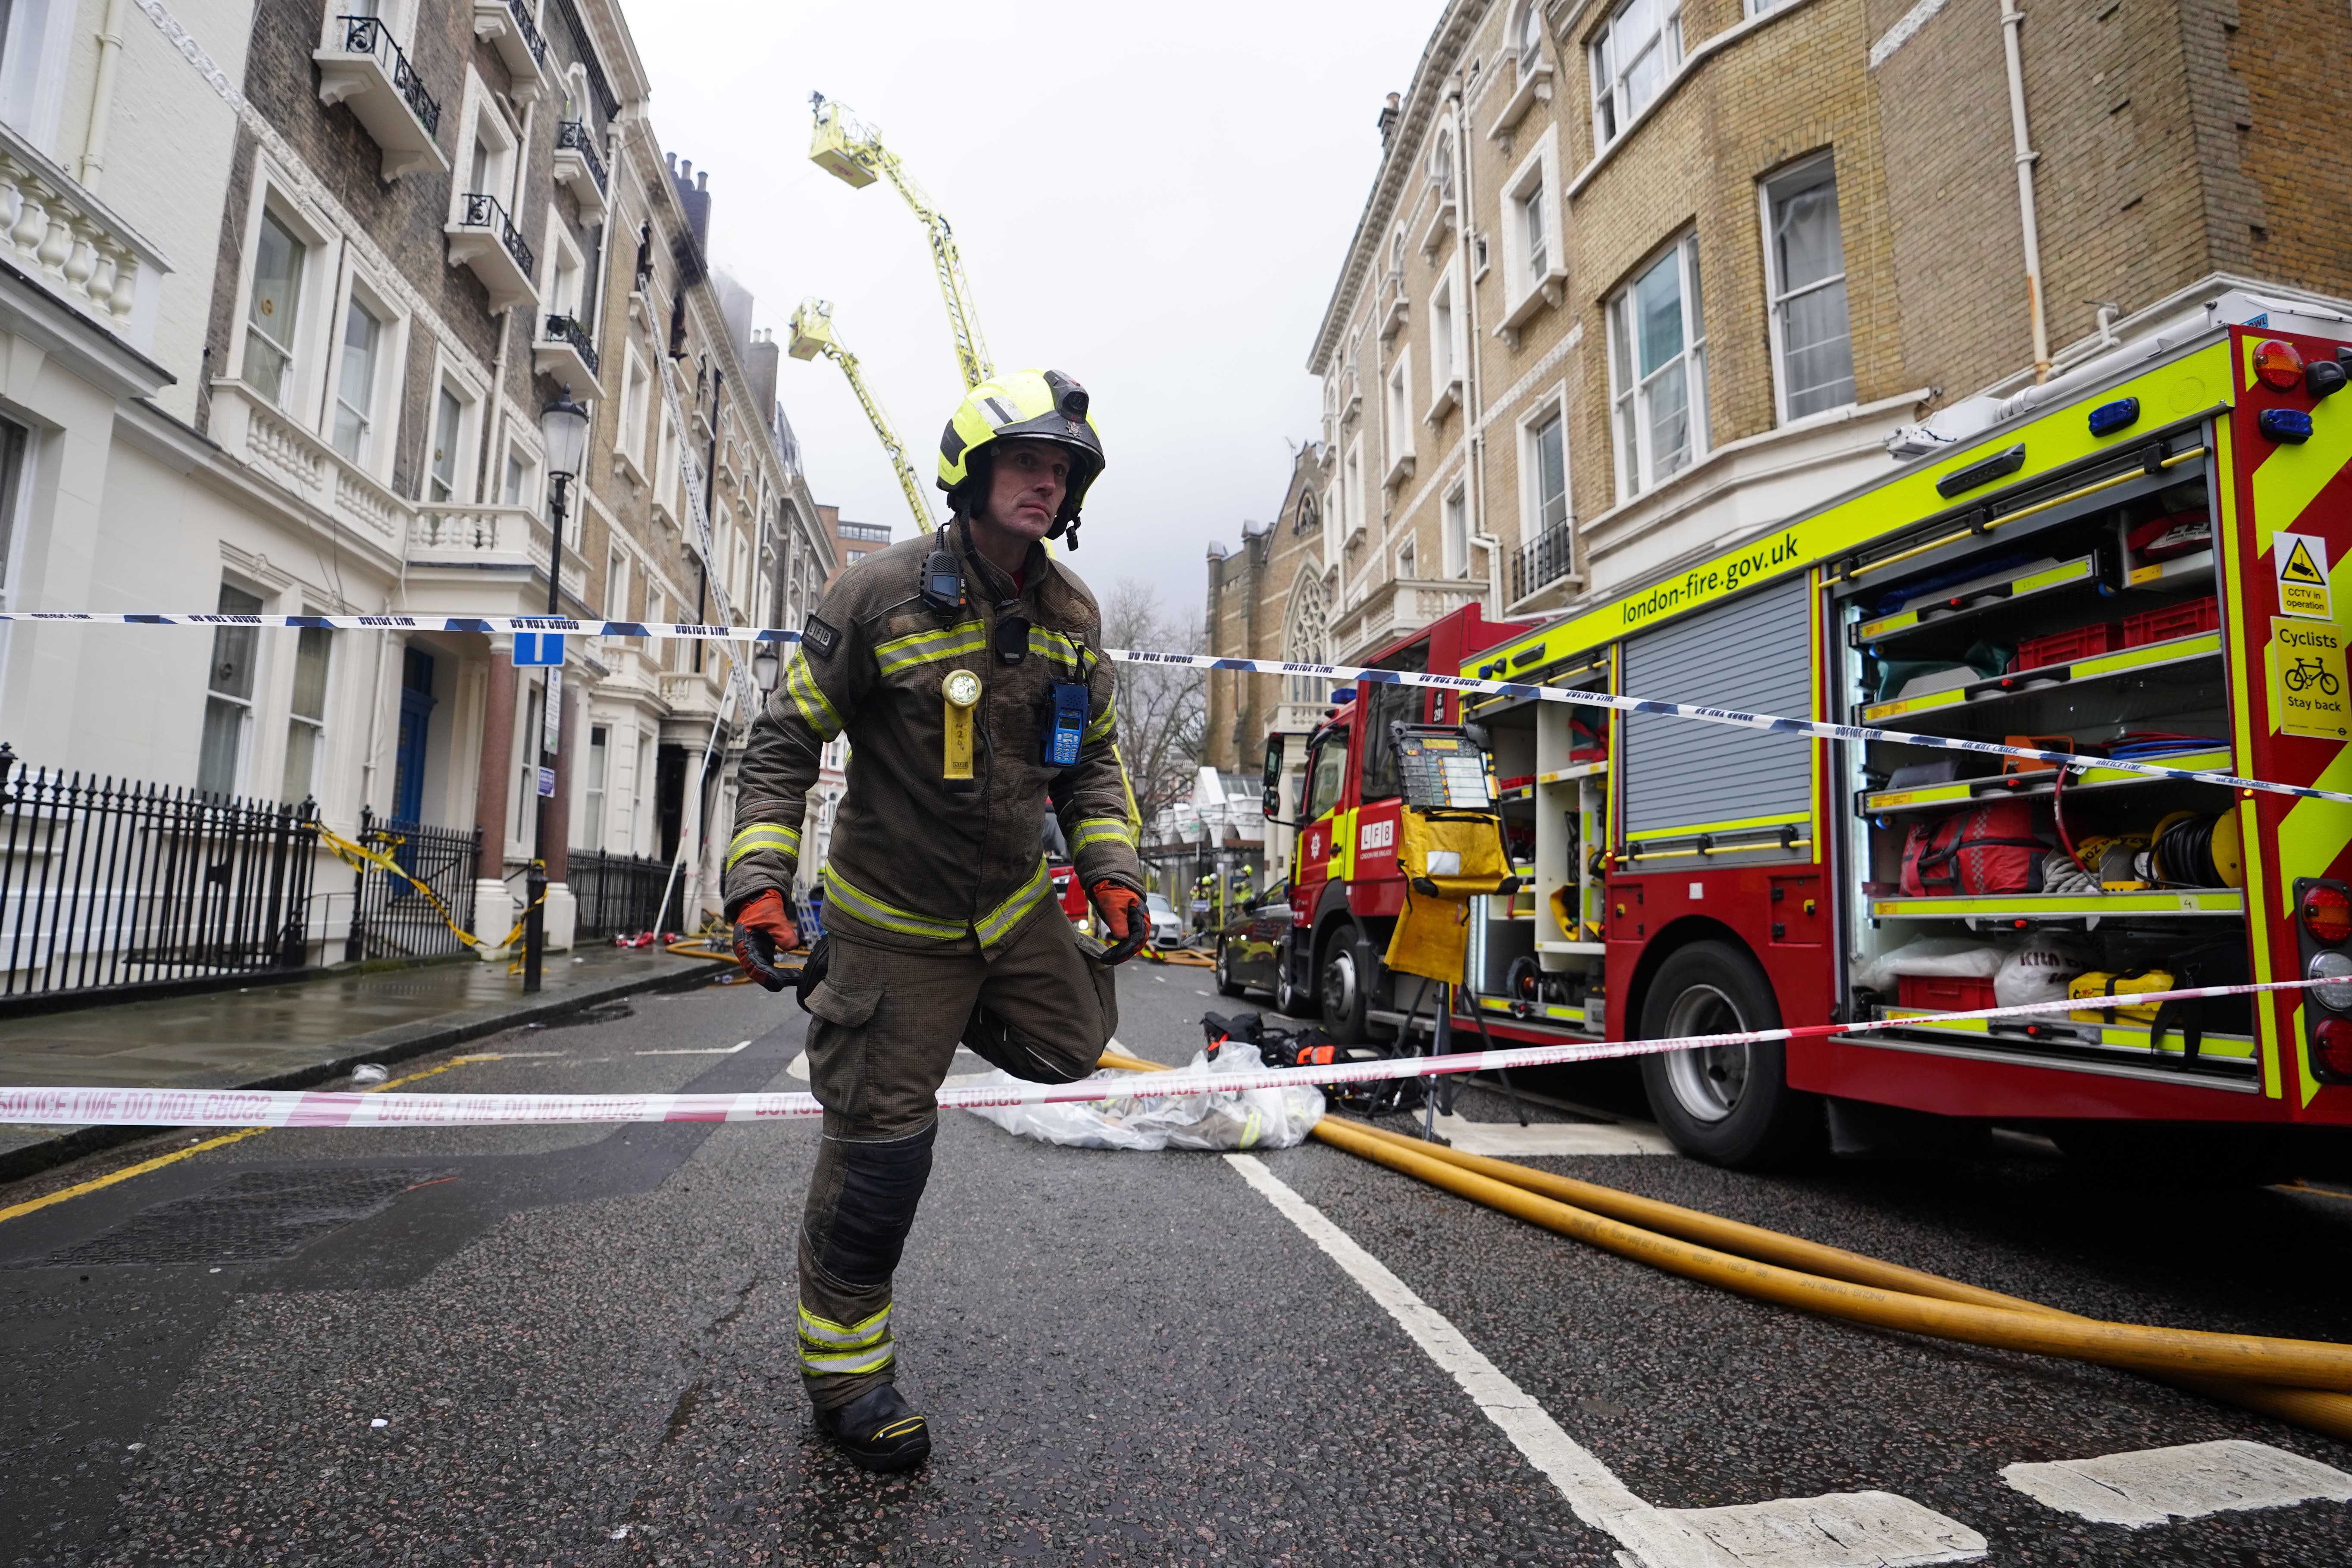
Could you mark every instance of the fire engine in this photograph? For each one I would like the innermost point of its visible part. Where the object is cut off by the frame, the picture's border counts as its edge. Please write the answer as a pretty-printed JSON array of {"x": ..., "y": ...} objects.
[{"x": 2137, "y": 560}]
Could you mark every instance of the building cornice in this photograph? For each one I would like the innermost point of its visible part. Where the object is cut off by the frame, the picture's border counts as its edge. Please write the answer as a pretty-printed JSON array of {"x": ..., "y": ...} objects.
[{"x": 1398, "y": 161}]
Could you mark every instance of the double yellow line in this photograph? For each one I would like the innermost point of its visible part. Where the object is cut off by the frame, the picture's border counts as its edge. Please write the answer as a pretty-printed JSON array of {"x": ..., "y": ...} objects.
[{"x": 33, "y": 1205}]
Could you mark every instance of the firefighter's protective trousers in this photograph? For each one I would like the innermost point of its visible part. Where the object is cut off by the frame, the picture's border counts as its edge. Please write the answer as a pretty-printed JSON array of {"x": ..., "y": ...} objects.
[
  {"x": 938, "y": 895},
  {"x": 883, "y": 1031}
]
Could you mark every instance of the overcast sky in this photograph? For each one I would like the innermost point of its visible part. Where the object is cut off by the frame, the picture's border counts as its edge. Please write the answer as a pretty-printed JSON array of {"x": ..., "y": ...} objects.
[{"x": 1154, "y": 199}]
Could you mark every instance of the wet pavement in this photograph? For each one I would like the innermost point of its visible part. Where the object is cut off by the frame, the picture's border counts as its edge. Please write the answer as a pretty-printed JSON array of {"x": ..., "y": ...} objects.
[
  {"x": 286, "y": 1035},
  {"x": 579, "y": 1343}
]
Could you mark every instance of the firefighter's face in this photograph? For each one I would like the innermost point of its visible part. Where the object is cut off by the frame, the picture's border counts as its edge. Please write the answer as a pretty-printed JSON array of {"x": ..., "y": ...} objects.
[{"x": 1026, "y": 489}]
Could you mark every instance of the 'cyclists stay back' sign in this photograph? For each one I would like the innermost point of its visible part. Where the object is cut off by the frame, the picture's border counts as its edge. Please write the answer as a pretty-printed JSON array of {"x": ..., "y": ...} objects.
[{"x": 2307, "y": 679}]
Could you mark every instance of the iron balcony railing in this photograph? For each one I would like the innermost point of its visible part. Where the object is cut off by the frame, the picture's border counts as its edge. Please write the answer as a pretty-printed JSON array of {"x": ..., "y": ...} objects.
[
  {"x": 484, "y": 211},
  {"x": 369, "y": 36},
  {"x": 105, "y": 883},
  {"x": 568, "y": 329},
  {"x": 391, "y": 918},
  {"x": 531, "y": 38},
  {"x": 575, "y": 135},
  {"x": 1546, "y": 558},
  {"x": 615, "y": 895}
]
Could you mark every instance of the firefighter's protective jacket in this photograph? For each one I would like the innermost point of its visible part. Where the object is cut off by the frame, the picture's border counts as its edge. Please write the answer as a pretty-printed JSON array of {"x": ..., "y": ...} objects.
[{"x": 914, "y": 861}]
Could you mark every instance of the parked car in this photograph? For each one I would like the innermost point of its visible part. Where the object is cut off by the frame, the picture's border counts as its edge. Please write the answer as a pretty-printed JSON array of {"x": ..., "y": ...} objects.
[
  {"x": 1167, "y": 925},
  {"x": 1249, "y": 951}
]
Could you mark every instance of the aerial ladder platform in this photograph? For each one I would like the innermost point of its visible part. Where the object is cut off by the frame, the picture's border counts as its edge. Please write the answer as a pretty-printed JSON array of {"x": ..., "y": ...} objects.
[
  {"x": 852, "y": 152},
  {"x": 812, "y": 334}
]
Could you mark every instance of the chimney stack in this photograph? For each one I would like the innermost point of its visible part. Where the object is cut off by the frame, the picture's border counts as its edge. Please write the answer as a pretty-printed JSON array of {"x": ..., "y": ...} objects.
[
  {"x": 1389, "y": 117},
  {"x": 694, "y": 193}
]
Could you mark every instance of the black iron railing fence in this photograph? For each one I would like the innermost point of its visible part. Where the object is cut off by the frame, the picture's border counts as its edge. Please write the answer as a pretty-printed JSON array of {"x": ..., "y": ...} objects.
[
  {"x": 617, "y": 895},
  {"x": 575, "y": 135},
  {"x": 531, "y": 38},
  {"x": 568, "y": 329},
  {"x": 1546, "y": 558},
  {"x": 107, "y": 883},
  {"x": 369, "y": 36},
  {"x": 483, "y": 210},
  {"x": 390, "y": 919}
]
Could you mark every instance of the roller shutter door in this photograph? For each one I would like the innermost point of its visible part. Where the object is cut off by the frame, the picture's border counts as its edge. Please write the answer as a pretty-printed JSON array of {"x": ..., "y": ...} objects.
[{"x": 1751, "y": 654}]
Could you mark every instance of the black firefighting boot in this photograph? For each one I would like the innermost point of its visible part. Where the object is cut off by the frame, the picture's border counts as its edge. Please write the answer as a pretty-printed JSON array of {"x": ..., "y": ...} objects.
[{"x": 877, "y": 1431}]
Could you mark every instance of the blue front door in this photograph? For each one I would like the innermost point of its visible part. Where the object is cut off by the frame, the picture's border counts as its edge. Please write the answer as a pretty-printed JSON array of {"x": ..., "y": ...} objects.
[{"x": 408, "y": 753}]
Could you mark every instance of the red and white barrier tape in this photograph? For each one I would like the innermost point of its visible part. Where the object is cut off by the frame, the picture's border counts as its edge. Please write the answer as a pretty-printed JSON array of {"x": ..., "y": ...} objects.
[{"x": 308, "y": 1108}]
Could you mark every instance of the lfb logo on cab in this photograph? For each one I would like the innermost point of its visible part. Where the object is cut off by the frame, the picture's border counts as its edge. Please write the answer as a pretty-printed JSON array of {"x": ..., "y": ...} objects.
[{"x": 1376, "y": 836}]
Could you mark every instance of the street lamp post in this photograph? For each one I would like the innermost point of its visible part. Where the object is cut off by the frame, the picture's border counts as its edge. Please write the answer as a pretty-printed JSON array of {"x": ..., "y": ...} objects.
[{"x": 564, "y": 433}]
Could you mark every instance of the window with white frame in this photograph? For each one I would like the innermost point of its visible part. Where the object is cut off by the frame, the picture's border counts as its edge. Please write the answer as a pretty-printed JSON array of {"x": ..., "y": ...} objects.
[
  {"x": 561, "y": 286},
  {"x": 1454, "y": 526},
  {"x": 1657, "y": 370},
  {"x": 1404, "y": 560},
  {"x": 445, "y": 472},
  {"x": 228, "y": 697},
  {"x": 1804, "y": 258},
  {"x": 1444, "y": 365},
  {"x": 273, "y": 309},
  {"x": 519, "y": 484},
  {"x": 591, "y": 824},
  {"x": 637, "y": 401},
  {"x": 488, "y": 164},
  {"x": 306, "y": 714},
  {"x": 1441, "y": 164},
  {"x": 1533, "y": 254},
  {"x": 1529, "y": 37},
  {"x": 616, "y": 586},
  {"x": 1633, "y": 57},
  {"x": 356, "y": 382},
  {"x": 1400, "y": 413},
  {"x": 1352, "y": 491},
  {"x": 1545, "y": 456}
]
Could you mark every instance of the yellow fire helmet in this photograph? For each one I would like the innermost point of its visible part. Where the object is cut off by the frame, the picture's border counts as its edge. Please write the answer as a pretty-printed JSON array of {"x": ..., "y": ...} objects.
[{"x": 1024, "y": 406}]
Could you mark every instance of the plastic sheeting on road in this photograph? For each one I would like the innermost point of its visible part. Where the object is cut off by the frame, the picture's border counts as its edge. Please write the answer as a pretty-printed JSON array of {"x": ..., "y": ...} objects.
[{"x": 1239, "y": 1118}]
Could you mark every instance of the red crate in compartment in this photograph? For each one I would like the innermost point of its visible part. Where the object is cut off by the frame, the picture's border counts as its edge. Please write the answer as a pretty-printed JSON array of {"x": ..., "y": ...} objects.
[
  {"x": 2059, "y": 647},
  {"x": 1944, "y": 993},
  {"x": 2172, "y": 621}
]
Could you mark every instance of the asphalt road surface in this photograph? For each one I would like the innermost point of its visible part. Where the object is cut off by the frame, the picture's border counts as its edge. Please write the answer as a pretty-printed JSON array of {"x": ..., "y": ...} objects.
[{"x": 545, "y": 1345}]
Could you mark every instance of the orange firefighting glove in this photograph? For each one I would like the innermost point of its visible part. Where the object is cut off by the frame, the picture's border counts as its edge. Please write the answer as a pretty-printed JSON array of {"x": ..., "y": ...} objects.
[
  {"x": 764, "y": 927},
  {"x": 1123, "y": 917}
]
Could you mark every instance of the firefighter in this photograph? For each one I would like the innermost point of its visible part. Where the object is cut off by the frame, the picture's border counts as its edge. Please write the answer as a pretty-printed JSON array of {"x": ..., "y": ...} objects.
[{"x": 965, "y": 668}]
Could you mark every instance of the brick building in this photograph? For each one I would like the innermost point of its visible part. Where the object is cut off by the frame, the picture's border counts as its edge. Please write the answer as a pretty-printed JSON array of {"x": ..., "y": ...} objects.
[
  {"x": 293, "y": 360},
  {"x": 1637, "y": 278}
]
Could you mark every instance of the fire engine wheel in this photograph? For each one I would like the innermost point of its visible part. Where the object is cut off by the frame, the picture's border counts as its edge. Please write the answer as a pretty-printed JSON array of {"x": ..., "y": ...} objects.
[
  {"x": 1342, "y": 991},
  {"x": 1288, "y": 999},
  {"x": 1226, "y": 985},
  {"x": 1728, "y": 1105}
]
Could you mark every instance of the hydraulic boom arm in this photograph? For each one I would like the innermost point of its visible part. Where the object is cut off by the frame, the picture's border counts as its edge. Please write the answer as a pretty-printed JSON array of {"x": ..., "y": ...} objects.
[
  {"x": 811, "y": 336},
  {"x": 852, "y": 152}
]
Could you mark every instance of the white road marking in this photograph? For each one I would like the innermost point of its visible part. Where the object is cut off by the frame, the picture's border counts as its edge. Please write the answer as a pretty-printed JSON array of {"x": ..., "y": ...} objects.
[
  {"x": 1849, "y": 1530},
  {"x": 798, "y": 1067},
  {"x": 714, "y": 1051},
  {"x": 2155, "y": 1486},
  {"x": 1509, "y": 1140}
]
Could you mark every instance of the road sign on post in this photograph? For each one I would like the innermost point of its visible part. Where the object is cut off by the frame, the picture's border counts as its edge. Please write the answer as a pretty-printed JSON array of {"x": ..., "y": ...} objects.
[{"x": 533, "y": 649}]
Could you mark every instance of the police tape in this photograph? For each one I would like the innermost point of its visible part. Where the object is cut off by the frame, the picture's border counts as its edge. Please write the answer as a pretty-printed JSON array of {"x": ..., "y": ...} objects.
[
  {"x": 696, "y": 631},
  {"x": 315, "y": 1107}
]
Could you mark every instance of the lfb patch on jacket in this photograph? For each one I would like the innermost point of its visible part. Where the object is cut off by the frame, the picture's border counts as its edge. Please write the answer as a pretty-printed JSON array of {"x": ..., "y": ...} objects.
[{"x": 820, "y": 638}]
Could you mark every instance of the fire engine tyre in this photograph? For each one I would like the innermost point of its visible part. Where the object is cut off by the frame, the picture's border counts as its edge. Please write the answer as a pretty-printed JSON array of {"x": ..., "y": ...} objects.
[
  {"x": 1287, "y": 999},
  {"x": 1343, "y": 986},
  {"x": 1728, "y": 1105},
  {"x": 1226, "y": 985}
]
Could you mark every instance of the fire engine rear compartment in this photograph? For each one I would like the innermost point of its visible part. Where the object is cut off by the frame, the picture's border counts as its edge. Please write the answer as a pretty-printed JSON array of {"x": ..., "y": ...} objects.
[{"x": 2094, "y": 625}]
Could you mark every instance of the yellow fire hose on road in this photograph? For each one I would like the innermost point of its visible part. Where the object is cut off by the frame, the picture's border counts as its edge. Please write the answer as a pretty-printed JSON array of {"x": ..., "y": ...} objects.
[{"x": 2298, "y": 1381}]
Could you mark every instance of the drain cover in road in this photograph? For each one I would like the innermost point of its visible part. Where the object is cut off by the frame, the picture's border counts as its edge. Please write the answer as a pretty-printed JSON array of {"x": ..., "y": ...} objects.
[{"x": 252, "y": 1217}]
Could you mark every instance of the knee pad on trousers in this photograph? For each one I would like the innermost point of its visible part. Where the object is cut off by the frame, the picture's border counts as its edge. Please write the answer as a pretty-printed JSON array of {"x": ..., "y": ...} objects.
[
  {"x": 882, "y": 1184},
  {"x": 989, "y": 1036}
]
